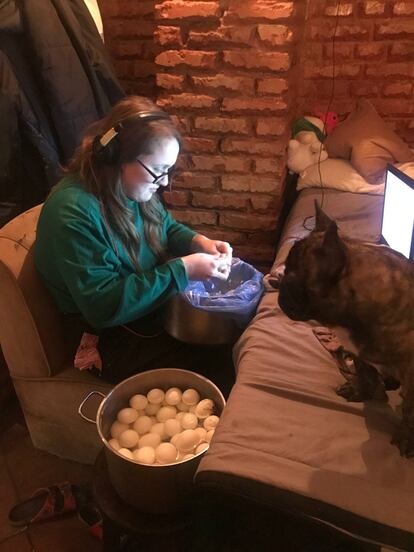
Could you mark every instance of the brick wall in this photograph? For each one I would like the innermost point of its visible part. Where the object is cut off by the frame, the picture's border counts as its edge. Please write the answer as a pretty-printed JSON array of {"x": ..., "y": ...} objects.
[{"x": 234, "y": 73}]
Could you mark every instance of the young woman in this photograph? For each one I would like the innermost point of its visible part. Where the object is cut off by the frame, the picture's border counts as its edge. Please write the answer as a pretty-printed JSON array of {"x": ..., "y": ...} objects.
[{"x": 109, "y": 252}]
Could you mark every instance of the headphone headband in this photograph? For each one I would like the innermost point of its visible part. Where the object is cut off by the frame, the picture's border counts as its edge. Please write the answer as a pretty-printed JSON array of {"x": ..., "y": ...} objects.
[{"x": 101, "y": 143}]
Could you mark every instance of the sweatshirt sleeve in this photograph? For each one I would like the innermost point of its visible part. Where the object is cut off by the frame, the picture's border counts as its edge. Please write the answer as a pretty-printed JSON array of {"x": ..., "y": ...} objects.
[
  {"x": 105, "y": 293},
  {"x": 179, "y": 236}
]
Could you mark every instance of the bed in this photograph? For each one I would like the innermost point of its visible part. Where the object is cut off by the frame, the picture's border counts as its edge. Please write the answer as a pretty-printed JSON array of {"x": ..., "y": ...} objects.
[{"x": 286, "y": 439}]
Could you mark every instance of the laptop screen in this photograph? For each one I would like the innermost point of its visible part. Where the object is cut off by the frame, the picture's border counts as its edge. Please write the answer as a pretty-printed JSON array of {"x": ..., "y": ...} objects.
[{"x": 397, "y": 229}]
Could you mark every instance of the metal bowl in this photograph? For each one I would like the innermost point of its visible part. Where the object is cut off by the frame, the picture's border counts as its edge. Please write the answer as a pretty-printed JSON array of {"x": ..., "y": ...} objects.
[{"x": 192, "y": 325}]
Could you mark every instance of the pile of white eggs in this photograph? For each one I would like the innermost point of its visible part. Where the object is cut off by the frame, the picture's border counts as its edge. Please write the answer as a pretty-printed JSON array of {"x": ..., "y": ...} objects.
[{"x": 163, "y": 427}]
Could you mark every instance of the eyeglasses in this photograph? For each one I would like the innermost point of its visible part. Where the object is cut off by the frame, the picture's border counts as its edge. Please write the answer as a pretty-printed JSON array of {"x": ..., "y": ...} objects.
[{"x": 158, "y": 177}]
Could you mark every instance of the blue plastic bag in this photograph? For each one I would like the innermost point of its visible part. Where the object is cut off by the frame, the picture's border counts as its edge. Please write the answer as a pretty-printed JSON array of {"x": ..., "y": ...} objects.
[{"x": 236, "y": 298}]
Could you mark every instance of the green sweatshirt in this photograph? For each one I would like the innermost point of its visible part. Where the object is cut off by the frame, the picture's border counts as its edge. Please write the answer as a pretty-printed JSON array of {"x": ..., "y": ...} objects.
[{"x": 88, "y": 271}]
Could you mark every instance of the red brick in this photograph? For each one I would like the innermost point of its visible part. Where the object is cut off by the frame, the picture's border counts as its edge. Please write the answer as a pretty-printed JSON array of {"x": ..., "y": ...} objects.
[
  {"x": 373, "y": 7},
  {"x": 370, "y": 51},
  {"x": 219, "y": 201},
  {"x": 398, "y": 106},
  {"x": 364, "y": 89},
  {"x": 341, "y": 10},
  {"x": 324, "y": 88},
  {"x": 227, "y": 82},
  {"x": 225, "y": 234},
  {"x": 264, "y": 9},
  {"x": 142, "y": 68},
  {"x": 200, "y": 145},
  {"x": 264, "y": 203},
  {"x": 402, "y": 51},
  {"x": 124, "y": 68},
  {"x": 327, "y": 71},
  {"x": 130, "y": 29},
  {"x": 275, "y": 61},
  {"x": 271, "y": 126},
  {"x": 272, "y": 165},
  {"x": 127, "y": 48},
  {"x": 254, "y": 104},
  {"x": 178, "y": 199},
  {"x": 404, "y": 8},
  {"x": 255, "y": 255},
  {"x": 249, "y": 183},
  {"x": 391, "y": 70},
  {"x": 168, "y": 36},
  {"x": 194, "y": 180},
  {"x": 180, "y": 10},
  {"x": 343, "y": 52},
  {"x": 182, "y": 123},
  {"x": 398, "y": 89},
  {"x": 255, "y": 147},
  {"x": 172, "y": 58},
  {"x": 126, "y": 8},
  {"x": 395, "y": 29},
  {"x": 344, "y": 32},
  {"x": 247, "y": 222},
  {"x": 227, "y": 34},
  {"x": 218, "y": 163},
  {"x": 170, "y": 82},
  {"x": 187, "y": 100},
  {"x": 194, "y": 218},
  {"x": 275, "y": 35},
  {"x": 222, "y": 125},
  {"x": 272, "y": 86}
]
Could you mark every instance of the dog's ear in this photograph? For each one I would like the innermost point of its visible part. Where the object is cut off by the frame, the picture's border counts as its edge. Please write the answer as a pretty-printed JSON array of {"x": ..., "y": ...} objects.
[
  {"x": 332, "y": 254},
  {"x": 322, "y": 221}
]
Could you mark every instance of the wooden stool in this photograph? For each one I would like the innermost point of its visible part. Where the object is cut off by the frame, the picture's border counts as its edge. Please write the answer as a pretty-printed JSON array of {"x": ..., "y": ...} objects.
[{"x": 123, "y": 523}]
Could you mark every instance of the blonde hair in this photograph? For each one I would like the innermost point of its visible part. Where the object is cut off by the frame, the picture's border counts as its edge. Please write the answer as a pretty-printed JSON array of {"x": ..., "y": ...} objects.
[{"x": 103, "y": 179}]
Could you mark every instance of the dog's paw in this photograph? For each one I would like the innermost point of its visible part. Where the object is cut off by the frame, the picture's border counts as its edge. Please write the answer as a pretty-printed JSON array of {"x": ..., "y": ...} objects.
[
  {"x": 403, "y": 438},
  {"x": 348, "y": 392}
]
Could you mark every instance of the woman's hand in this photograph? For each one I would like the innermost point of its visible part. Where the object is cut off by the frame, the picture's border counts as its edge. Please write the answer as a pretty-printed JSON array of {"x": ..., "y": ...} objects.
[
  {"x": 203, "y": 244},
  {"x": 201, "y": 266}
]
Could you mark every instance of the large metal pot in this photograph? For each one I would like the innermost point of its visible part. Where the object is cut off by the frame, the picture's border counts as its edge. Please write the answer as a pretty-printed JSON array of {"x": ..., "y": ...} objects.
[
  {"x": 154, "y": 488},
  {"x": 191, "y": 325}
]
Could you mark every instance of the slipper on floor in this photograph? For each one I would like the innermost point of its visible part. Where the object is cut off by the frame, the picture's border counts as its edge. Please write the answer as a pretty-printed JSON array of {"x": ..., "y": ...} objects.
[
  {"x": 46, "y": 503},
  {"x": 92, "y": 517}
]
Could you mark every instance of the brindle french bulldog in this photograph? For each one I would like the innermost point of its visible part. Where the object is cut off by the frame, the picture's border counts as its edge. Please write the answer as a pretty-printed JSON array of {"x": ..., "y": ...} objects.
[{"x": 369, "y": 291}]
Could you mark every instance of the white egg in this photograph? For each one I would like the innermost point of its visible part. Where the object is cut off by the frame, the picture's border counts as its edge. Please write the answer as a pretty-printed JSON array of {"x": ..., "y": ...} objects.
[
  {"x": 159, "y": 429},
  {"x": 211, "y": 422},
  {"x": 142, "y": 424},
  {"x": 201, "y": 447},
  {"x": 165, "y": 413},
  {"x": 190, "y": 396},
  {"x": 189, "y": 421},
  {"x": 174, "y": 439},
  {"x": 152, "y": 409},
  {"x": 209, "y": 435},
  {"x": 201, "y": 433},
  {"x": 139, "y": 402},
  {"x": 155, "y": 396},
  {"x": 145, "y": 455},
  {"x": 187, "y": 440},
  {"x": 117, "y": 428},
  {"x": 125, "y": 452},
  {"x": 179, "y": 416},
  {"x": 204, "y": 408},
  {"x": 182, "y": 407},
  {"x": 114, "y": 443},
  {"x": 172, "y": 427},
  {"x": 166, "y": 453},
  {"x": 127, "y": 415},
  {"x": 128, "y": 438},
  {"x": 173, "y": 396},
  {"x": 188, "y": 456},
  {"x": 192, "y": 408},
  {"x": 149, "y": 440}
]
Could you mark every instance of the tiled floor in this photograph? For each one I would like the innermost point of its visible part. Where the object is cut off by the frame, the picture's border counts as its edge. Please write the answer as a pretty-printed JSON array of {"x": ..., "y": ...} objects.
[{"x": 23, "y": 469}]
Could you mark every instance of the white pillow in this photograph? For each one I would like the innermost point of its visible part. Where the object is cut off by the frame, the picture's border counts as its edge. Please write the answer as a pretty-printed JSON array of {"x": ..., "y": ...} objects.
[{"x": 337, "y": 174}]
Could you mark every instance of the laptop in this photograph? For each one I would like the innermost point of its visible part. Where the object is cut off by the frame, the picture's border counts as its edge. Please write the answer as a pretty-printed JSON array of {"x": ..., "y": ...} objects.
[{"x": 397, "y": 226}]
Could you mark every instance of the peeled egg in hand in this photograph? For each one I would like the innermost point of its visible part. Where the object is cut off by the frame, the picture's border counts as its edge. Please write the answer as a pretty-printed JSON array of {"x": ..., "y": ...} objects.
[
  {"x": 165, "y": 413},
  {"x": 190, "y": 396},
  {"x": 155, "y": 396},
  {"x": 149, "y": 440},
  {"x": 211, "y": 422},
  {"x": 117, "y": 428},
  {"x": 144, "y": 455},
  {"x": 127, "y": 415},
  {"x": 172, "y": 427},
  {"x": 128, "y": 438},
  {"x": 139, "y": 402},
  {"x": 142, "y": 424},
  {"x": 166, "y": 453},
  {"x": 125, "y": 452},
  {"x": 189, "y": 421},
  {"x": 204, "y": 408},
  {"x": 187, "y": 440},
  {"x": 173, "y": 396}
]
